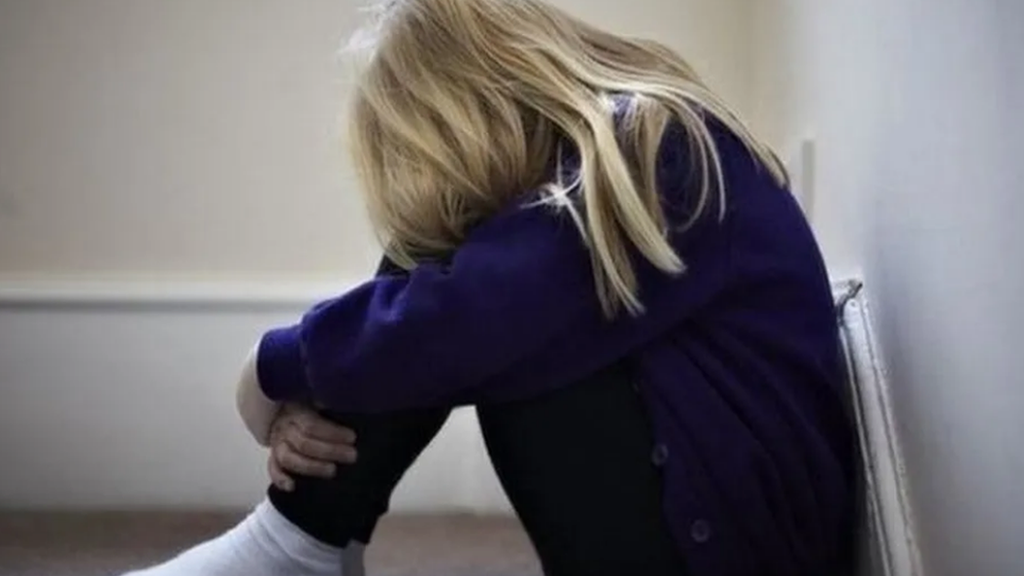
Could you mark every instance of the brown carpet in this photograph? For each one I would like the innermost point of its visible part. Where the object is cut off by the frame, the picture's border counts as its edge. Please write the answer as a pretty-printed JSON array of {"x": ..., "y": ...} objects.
[{"x": 52, "y": 544}]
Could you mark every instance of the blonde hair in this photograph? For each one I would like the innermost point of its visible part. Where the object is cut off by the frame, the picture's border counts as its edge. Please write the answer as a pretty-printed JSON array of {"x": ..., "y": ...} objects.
[{"x": 461, "y": 105}]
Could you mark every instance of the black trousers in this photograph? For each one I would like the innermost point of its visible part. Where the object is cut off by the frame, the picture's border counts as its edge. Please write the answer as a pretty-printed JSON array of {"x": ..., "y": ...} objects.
[{"x": 575, "y": 464}]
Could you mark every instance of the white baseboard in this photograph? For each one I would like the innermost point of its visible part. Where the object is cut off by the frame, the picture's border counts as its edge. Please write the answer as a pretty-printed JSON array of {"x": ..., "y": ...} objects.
[{"x": 119, "y": 395}]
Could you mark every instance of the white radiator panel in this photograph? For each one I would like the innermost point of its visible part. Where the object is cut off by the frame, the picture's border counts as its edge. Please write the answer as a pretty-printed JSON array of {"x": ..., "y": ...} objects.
[{"x": 888, "y": 546}]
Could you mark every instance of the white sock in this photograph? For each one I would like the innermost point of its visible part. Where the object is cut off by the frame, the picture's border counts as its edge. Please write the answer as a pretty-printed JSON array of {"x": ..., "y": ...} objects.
[{"x": 265, "y": 543}]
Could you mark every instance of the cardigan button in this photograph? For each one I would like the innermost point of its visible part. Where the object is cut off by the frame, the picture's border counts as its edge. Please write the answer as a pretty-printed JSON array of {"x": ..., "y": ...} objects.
[
  {"x": 700, "y": 531},
  {"x": 660, "y": 455}
]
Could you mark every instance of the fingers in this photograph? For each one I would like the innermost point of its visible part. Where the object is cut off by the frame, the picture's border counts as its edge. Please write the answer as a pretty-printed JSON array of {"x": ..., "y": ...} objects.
[
  {"x": 319, "y": 450},
  {"x": 307, "y": 444},
  {"x": 291, "y": 461},
  {"x": 278, "y": 477},
  {"x": 312, "y": 425}
]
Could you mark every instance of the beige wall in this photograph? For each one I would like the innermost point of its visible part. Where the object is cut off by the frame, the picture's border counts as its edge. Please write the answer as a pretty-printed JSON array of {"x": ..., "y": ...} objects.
[
  {"x": 196, "y": 139},
  {"x": 914, "y": 107}
]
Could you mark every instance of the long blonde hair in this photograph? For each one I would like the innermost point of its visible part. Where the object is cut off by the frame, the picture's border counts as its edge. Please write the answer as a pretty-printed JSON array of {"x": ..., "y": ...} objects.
[{"x": 460, "y": 105}]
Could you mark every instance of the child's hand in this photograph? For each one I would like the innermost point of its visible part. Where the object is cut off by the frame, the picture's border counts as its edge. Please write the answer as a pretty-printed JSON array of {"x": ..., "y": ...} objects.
[{"x": 305, "y": 443}]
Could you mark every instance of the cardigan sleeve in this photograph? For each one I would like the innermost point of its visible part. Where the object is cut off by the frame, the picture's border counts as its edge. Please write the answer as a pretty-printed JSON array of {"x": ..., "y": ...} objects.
[{"x": 519, "y": 290}]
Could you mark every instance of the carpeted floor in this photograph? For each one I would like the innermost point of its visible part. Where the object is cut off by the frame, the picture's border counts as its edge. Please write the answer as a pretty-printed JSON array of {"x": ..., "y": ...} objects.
[{"x": 34, "y": 544}]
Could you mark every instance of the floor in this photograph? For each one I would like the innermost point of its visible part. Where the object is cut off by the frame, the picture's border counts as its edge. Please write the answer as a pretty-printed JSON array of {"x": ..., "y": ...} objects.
[{"x": 54, "y": 544}]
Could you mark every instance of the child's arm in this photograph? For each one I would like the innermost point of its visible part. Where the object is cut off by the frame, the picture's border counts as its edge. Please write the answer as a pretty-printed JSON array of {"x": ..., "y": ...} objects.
[
  {"x": 519, "y": 291},
  {"x": 257, "y": 411}
]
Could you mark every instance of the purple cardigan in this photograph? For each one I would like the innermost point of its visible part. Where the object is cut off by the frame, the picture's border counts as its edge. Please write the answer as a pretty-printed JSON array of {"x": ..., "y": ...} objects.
[{"x": 737, "y": 358}]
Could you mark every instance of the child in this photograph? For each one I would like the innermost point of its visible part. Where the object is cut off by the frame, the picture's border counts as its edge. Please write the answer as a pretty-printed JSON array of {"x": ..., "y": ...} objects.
[{"x": 596, "y": 253}]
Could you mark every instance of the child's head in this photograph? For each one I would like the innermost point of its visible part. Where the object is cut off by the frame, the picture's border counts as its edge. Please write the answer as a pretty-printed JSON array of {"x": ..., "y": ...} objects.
[{"x": 460, "y": 107}]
